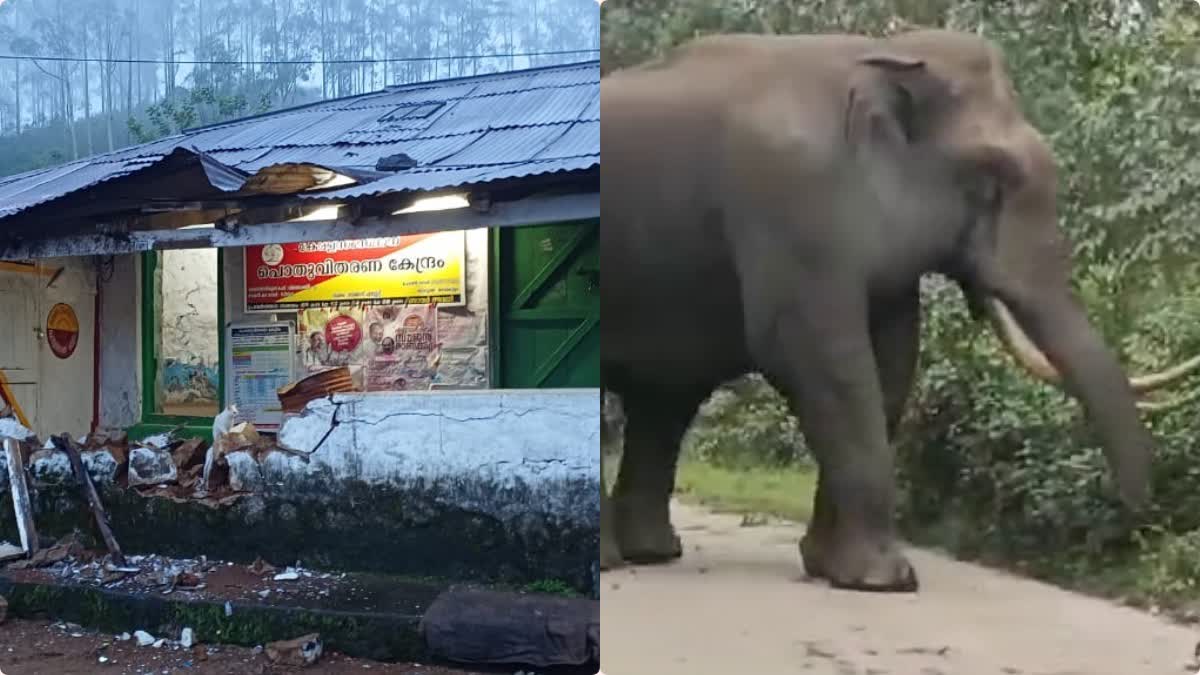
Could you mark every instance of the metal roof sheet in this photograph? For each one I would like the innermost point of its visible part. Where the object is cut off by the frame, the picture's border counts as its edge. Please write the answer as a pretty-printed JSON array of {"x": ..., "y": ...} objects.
[
  {"x": 424, "y": 180},
  {"x": 461, "y": 131}
]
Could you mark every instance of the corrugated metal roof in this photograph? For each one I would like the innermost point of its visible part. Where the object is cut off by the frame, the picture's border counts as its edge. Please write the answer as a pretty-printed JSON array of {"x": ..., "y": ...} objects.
[{"x": 461, "y": 131}]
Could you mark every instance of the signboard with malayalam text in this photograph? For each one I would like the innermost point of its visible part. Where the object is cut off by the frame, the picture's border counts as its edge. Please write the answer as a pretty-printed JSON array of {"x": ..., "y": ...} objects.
[{"x": 416, "y": 269}]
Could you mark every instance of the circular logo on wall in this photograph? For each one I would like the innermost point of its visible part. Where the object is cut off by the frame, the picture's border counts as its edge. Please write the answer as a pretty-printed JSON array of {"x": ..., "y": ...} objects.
[
  {"x": 62, "y": 330},
  {"x": 342, "y": 333},
  {"x": 272, "y": 254}
]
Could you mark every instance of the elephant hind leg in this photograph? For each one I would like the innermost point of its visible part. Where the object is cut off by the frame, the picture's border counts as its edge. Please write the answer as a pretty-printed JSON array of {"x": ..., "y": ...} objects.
[{"x": 654, "y": 426}]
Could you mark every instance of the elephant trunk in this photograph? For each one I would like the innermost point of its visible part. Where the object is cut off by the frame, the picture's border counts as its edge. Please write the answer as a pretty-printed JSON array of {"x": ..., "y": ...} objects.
[{"x": 1051, "y": 336}]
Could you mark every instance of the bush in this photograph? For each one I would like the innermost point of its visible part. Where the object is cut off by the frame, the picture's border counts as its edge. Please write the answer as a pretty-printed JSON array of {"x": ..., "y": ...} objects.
[{"x": 746, "y": 424}]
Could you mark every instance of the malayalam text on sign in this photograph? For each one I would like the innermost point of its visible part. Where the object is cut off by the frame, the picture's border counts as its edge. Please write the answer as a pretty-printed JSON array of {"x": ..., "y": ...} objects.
[{"x": 417, "y": 269}]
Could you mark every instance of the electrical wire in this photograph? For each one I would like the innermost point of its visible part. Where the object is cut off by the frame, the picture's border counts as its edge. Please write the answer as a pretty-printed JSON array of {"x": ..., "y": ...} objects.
[{"x": 331, "y": 62}]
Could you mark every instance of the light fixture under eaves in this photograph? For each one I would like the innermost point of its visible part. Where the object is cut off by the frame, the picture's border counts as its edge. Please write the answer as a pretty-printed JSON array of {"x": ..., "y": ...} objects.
[
  {"x": 323, "y": 213},
  {"x": 442, "y": 203},
  {"x": 199, "y": 226}
]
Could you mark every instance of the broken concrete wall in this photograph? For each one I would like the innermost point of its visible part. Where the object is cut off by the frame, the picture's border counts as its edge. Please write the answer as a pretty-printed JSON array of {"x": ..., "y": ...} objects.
[{"x": 496, "y": 486}]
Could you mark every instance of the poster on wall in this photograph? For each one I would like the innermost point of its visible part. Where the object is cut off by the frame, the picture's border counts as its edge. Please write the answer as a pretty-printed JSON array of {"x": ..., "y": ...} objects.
[
  {"x": 415, "y": 269},
  {"x": 402, "y": 344},
  {"x": 330, "y": 338},
  {"x": 260, "y": 362},
  {"x": 463, "y": 354}
]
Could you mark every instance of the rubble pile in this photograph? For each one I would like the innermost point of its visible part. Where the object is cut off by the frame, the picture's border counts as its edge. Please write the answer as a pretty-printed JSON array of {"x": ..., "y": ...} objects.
[
  {"x": 194, "y": 578},
  {"x": 163, "y": 465}
]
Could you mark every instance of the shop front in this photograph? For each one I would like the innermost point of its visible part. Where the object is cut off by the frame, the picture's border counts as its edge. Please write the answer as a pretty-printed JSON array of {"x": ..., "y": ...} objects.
[{"x": 445, "y": 263}]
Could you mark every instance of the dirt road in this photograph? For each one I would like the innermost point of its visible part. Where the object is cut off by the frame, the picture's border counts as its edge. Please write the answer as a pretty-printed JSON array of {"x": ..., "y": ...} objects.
[{"x": 738, "y": 603}]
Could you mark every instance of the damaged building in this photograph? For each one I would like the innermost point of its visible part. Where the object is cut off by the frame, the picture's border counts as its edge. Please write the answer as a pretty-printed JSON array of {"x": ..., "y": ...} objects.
[{"x": 361, "y": 334}]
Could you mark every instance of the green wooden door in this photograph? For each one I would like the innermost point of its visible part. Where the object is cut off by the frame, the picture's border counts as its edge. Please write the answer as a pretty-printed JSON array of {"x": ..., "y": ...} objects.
[{"x": 546, "y": 286}]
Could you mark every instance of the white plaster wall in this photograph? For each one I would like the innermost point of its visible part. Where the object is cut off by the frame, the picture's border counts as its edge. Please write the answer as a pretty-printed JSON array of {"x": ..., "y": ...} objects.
[
  {"x": 189, "y": 323},
  {"x": 540, "y": 440},
  {"x": 120, "y": 345},
  {"x": 66, "y": 386}
]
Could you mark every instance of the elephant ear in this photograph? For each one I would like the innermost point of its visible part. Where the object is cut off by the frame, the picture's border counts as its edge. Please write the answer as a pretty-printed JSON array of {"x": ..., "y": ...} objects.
[{"x": 888, "y": 97}]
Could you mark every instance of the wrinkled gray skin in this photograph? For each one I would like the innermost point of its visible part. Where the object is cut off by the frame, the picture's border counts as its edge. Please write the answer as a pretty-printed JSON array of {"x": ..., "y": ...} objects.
[{"x": 770, "y": 204}]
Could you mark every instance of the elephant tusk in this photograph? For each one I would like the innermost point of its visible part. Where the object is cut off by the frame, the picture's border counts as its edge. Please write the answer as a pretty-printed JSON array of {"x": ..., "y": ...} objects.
[
  {"x": 1169, "y": 404},
  {"x": 1019, "y": 344},
  {"x": 1037, "y": 363}
]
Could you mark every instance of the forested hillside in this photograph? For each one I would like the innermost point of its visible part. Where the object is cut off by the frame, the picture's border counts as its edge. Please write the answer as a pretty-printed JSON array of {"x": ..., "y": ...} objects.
[
  {"x": 994, "y": 464},
  {"x": 85, "y": 76}
]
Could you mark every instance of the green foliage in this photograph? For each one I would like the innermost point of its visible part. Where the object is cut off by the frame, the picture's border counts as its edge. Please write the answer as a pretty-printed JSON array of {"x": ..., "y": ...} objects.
[
  {"x": 746, "y": 424},
  {"x": 991, "y": 462},
  {"x": 200, "y": 106}
]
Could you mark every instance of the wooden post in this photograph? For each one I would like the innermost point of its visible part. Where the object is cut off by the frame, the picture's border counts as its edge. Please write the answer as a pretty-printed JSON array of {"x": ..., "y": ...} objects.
[
  {"x": 65, "y": 444},
  {"x": 20, "y": 496}
]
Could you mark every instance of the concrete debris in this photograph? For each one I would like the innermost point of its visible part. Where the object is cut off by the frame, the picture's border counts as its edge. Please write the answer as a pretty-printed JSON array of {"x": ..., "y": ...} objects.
[
  {"x": 262, "y": 567},
  {"x": 48, "y": 466},
  {"x": 11, "y": 428},
  {"x": 144, "y": 639},
  {"x": 10, "y": 552},
  {"x": 102, "y": 466},
  {"x": 300, "y": 652},
  {"x": 124, "y": 637},
  {"x": 160, "y": 441},
  {"x": 162, "y": 465},
  {"x": 149, "y": 465},
  {"x": 188, "y": 454},
  {"x": 187, "y": 638},
  {"x": 287, "y": 575}
]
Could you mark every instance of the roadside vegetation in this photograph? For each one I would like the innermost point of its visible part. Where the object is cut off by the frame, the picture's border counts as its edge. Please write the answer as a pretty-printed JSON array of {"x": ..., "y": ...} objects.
[{"x": 995, "y": 466}]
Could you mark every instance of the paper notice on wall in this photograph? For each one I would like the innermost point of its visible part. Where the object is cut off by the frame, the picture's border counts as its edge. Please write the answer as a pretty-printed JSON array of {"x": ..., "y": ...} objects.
[
  {"x": 330, "y": 338},
  {"x": 402, "y": 343},
  {"x": 458, "y": 328},
  {"x": 260, "y": 362},
  {"x": 464, "y": 368}
]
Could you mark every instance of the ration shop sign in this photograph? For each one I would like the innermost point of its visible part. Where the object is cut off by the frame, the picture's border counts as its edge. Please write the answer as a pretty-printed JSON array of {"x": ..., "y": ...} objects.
[
  {"x": 415, "y": 269},
  {"x": 62, "y": 330}
]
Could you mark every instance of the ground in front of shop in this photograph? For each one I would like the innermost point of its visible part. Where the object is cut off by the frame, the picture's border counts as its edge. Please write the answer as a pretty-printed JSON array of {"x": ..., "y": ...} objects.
[{"x": 55, "y": 648}]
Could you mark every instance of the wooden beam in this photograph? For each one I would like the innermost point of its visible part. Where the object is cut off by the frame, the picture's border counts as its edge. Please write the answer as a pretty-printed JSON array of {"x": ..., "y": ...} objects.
[
  {"x": 20, "y": 496},
  {"x": 65, "y": 444},
  {"x": 530, "y": 211}
]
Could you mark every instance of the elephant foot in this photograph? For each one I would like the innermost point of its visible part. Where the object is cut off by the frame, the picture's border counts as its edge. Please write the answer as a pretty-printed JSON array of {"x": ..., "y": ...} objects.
[
  {"x": 610, "y": 552},
  {"x": 859, "y": 565},
  {"x": 644, "y": 532},
  {"x": 812, "y": 556}
]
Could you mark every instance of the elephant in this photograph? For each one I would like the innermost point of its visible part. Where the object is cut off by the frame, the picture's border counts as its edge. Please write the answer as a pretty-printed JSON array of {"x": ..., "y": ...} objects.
[{"x": 770, "y": 204}]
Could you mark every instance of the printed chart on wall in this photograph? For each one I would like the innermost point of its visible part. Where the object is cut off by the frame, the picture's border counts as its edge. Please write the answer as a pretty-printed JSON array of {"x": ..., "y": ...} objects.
[
  {"x": 416, "y": 269},
  {"x": 261, "y": 359}
]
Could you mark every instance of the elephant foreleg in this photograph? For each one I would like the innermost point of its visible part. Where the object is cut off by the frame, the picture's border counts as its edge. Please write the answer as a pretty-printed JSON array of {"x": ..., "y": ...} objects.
[
  {"x": 895, "y": 342},
  {"x": 610, "y": 552},
  {"x": 654, "y": 427},
  {"x": 819, "y": 352}
]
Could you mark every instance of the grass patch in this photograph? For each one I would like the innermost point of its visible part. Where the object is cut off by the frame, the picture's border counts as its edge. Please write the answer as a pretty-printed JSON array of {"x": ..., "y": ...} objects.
[{"x": 785, "y": 492}]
